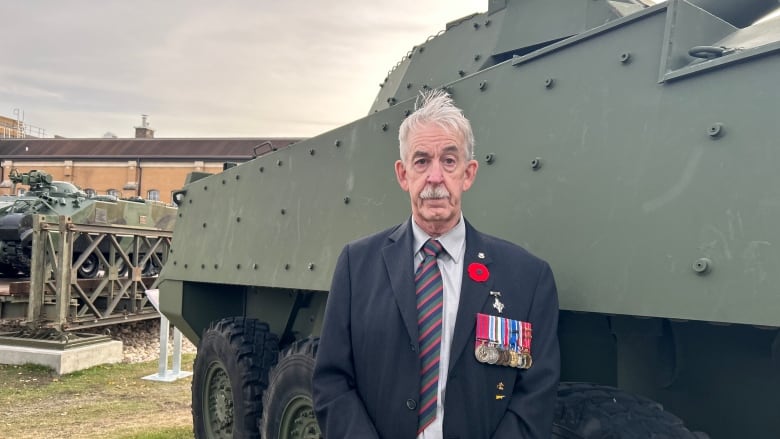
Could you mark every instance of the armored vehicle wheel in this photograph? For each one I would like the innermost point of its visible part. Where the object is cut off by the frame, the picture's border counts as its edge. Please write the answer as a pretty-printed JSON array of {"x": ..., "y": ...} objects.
[
  {"x": 289, "y": 412},
  {"x": 90, "y": 268},
  {"x": 229, "y": 377},
  {"x": 587, "y": 411}
]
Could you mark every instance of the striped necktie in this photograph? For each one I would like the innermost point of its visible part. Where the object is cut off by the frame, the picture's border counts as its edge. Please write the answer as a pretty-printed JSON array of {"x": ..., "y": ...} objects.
[{"x": 430, "y": 299}]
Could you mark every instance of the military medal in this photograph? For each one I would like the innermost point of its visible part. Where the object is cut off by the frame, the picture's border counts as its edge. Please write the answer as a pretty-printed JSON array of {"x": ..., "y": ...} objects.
[
  {"x": 514, "y": 359},
  {"x": 503, "y": 341},
  {"x": 492, "y": 355},
  {"x": 496, "y": 302},
  {"x": 481, "y": 353}
]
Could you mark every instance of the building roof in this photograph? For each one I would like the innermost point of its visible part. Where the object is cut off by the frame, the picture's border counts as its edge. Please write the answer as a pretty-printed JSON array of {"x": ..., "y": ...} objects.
[{"x": 131, "y": 149}]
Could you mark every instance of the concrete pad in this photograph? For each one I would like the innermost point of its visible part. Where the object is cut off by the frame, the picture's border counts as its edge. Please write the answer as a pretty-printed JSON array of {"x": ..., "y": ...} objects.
[{"x": 64, "y": 361}]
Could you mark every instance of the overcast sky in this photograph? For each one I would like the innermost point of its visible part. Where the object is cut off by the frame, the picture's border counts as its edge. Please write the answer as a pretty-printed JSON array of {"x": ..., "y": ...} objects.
[{"x": 255, "y": 68}]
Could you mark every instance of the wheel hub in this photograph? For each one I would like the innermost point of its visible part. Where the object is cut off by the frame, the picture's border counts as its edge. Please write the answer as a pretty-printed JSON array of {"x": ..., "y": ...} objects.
[
  {"x": 298, "y": 420},
  {"x": 219, "y": 403}
]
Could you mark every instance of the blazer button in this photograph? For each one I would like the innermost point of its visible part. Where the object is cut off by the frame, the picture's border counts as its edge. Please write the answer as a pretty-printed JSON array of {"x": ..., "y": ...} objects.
[
  {"x": 413, "y": 347},
  {"x": 411, "y": 404}
]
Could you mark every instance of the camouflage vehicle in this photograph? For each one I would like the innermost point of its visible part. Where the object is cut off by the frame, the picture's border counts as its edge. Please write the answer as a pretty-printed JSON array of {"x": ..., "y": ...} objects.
[
  {"x": 630, "y": 145},
  {"x": 56, "y": 198}
]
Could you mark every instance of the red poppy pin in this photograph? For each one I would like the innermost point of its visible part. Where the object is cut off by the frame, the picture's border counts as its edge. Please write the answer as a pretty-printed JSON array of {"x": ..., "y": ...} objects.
[{"x": 478, "y": 272}]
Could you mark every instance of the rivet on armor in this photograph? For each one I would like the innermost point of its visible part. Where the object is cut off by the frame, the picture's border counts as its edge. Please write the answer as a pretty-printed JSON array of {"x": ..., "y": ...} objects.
[
  {"x": 549, "y": 82},
  {"x": 536, "y": 163},
  {"x": 204, "y": 225},
  {"x": 190, "y": 201},
  {"x": 408, "y": 85},
  {"x": 407, "y": 112},
  {"x": 483, "y": 85},
  {"x": 205, "y": 188},
  {"x": 283, "y": 211},
  {"x": 185, "y": 266},
  {"x": 254, "y": 266},
  {"x": 490, "y": 158},
  {"x": 216, "y": 266},
  {"x": 422, "y": 49},
  {"x": 487, "y": 23},
  {"x": 223, "y": 181},
  {"x": 311, "y": 151},
  {"x": 286, "y": 266},
  {"x": 238, "y": 219},
  {"x": 702, "y": 265},
  {"x": 715, "y": 130},
  {"x": 278, "y": 163},
  {"x": 625, "y": 57},
  {"x": 202, "y": 266},
  {"x": 384, "y": 127},
  {"x": 179, "y": 214},
  {"x": 346, "y": 200},
  {"x": 476, "y": 26},
  {"x": 461, "y": 73},
  {"x": 391, "y": 101},
  {"x": 262, "y": 169},
  {"x": 337, "y": 143},
  {"x": 238, "y": 177},
  {"x": 238, "y": 266},
  {"x": 477, "y": 57},
  {"x": 311, "y": 266}
]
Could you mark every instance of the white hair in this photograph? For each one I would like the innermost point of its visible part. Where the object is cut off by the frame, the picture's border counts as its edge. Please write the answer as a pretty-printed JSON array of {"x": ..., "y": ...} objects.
[{"x": 436, "y": 107}]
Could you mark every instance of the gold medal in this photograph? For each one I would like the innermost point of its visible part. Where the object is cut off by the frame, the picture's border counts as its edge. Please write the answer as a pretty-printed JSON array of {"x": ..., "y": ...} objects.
[
  {"x": 528, "y": 361},
  {"x": 514, "y": 359}
]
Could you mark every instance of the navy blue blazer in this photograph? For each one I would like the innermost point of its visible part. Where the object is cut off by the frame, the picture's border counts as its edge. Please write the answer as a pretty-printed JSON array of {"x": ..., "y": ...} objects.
[{"x": 366, "y": 377}]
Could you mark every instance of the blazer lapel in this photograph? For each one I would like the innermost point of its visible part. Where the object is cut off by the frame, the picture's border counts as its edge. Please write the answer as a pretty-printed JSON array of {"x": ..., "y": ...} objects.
[
  {"x": 473, "y": 294},
  {"x": 398, "y": 261}
]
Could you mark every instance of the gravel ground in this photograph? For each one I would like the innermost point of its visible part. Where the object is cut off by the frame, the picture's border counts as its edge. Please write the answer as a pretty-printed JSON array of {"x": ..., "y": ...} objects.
[{"x": 140, "y": 340}]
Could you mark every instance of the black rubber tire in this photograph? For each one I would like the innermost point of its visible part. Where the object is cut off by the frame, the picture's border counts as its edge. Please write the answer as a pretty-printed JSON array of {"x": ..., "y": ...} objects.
[
  {"x": 289, "y": 412},
  {"x": 229, "y": 377},
  {"x": 89, "y": 268},
  {"x": 588, "y": 411}
]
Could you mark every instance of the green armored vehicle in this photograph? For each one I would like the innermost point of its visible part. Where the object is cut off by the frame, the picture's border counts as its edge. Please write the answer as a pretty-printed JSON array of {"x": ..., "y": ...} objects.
[
  {"x": 632, "y": 146},
  {"x": 56, "y": 198}
]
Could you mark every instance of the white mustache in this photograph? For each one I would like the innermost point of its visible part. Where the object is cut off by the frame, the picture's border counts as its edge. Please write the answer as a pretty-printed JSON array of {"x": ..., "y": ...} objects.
[{"x": 434, "y": 192}]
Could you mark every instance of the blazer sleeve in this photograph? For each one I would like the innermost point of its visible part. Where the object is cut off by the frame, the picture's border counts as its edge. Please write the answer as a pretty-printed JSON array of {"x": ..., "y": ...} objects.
[
  {"x": 339, "y": 408},
  {"x": 530, "y": 412}
]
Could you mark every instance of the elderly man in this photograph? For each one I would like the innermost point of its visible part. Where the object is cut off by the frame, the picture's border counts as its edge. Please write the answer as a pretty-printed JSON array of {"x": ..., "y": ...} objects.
[{"x": 433, "y": 329}]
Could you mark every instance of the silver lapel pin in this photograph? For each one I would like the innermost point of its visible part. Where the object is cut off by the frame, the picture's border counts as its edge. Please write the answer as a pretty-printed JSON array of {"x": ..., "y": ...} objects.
[{"x": 496, "y": 302}]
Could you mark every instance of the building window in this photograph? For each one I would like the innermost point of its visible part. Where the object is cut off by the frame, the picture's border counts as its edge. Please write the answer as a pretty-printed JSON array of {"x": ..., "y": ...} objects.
[
  {"x": 153, "y": 195},
  {"x": 90, "y": 192},
  {"x": 113, "y": 192}
]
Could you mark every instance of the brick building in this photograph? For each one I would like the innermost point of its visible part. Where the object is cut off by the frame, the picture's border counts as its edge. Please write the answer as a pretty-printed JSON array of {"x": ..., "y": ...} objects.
[{"x": 146, "y": 167}]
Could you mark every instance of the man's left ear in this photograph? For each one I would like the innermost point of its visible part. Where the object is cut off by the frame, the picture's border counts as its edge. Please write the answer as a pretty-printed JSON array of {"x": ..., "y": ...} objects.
[{"x": 471, "y": 174}]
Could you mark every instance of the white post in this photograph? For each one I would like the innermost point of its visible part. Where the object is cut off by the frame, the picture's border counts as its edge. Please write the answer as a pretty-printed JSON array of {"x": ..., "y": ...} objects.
[
  {"x": 163, "y": 374},
  {"x": 176, "y": 351},
  {"x": 164, "y": 328}
]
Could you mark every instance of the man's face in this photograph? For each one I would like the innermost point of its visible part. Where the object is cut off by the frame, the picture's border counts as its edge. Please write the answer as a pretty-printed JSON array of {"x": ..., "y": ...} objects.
[{"x": 435, "y": 172}]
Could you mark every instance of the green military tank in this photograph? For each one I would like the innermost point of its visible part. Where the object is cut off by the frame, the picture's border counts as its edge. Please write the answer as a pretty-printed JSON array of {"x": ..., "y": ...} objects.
[
  {"x": 57, "y": 198},
  {"x": 631, "y": 145}
]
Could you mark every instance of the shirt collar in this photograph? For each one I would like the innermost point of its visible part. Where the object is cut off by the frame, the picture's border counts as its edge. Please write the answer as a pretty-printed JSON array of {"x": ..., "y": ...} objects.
[{"x": 452, "y": 241}]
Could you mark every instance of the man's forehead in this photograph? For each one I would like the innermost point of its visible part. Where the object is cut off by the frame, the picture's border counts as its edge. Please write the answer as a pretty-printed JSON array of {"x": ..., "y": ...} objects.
[{"x": 424, "y": 150}]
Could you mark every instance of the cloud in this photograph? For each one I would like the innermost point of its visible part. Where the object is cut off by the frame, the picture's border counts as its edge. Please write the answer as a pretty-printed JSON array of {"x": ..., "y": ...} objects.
[{"x": 200, "y": 68}]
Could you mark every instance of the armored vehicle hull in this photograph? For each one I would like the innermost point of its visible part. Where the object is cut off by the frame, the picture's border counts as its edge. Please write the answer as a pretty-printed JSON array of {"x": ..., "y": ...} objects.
[
  {"x": 54, "y": 199},
  {"x": 632, "y": 147}
]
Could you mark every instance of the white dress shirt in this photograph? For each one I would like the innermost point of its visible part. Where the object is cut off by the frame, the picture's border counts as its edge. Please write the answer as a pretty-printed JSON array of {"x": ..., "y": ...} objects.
[{"x": 450, "y": 264}]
